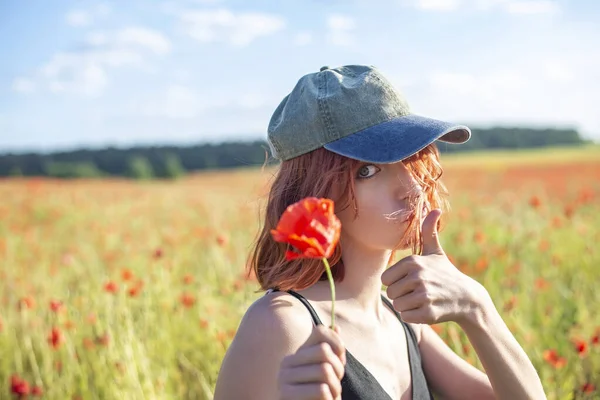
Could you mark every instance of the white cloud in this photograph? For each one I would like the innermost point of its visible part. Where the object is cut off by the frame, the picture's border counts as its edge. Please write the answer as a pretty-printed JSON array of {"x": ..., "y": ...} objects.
[
  {"x": 179, "y": 102},
  {"x": 437, "y": 5},
  {"x": 86, "y": 72},
  {"x": 143, "y": 37},
  {"x": 184, "y": 102},
  {"x": 532, "y": 7},
  {"x": 340, "y": 30},
  {"x": 222, "y": 25},
  {"x": 302, "y": 38},
  {"x": 78, "y": 18},
  {"x": 23, "y": 85},
  {"x": 546, "y": 92},
  {"x": 558, "y": 71},
  {"x": 528, "y": 7},
  {"x": 82, "y": 18}
]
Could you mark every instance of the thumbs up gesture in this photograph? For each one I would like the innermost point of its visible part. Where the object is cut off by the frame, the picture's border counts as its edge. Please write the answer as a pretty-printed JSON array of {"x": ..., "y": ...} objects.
[{"x": 428, "y": 288}]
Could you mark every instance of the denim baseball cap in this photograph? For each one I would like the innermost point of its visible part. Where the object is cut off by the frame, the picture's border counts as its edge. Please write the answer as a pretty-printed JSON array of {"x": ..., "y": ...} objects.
[{"x": 354, "y": 111}]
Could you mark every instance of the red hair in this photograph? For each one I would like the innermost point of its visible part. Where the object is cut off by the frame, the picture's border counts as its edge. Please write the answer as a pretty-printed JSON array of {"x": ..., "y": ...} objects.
[{"x": 319, "y": 173}]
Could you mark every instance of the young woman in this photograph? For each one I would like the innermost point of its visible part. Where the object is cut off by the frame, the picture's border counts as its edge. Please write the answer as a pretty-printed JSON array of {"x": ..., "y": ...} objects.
[{"x": 347, "y": 134}]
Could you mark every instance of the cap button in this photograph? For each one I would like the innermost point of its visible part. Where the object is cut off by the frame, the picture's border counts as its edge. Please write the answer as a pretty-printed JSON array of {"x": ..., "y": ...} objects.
[{"x": 324, "y": 68}]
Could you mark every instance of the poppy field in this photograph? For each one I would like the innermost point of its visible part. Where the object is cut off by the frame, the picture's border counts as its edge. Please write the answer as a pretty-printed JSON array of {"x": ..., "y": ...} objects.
[{"x": 118, "y": 289}]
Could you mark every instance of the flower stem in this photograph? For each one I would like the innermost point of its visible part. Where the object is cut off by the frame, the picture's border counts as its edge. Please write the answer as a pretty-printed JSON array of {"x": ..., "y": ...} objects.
[{"x": 332, "y": 286}]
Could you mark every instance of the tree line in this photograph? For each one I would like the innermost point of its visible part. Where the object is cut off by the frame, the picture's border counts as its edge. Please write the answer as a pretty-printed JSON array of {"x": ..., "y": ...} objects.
[{"x": 172, "y": 162}]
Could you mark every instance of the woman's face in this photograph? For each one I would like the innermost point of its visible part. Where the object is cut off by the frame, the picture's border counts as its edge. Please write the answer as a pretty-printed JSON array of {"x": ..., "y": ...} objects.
[{"x": 386, "y": 195}]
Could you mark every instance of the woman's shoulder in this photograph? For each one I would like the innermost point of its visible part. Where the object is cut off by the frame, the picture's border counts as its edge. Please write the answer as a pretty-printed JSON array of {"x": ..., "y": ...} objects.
[{"x": 280, "y": 314}]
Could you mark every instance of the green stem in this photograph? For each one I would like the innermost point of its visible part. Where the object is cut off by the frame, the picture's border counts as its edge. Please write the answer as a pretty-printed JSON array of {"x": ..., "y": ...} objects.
[{"x": 332, "y": 286}]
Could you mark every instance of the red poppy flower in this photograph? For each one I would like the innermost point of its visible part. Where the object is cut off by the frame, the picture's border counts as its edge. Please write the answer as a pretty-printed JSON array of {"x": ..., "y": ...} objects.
[
  {"x": 580, "y": 346},
  {"x": 111, "y": 287},
  {"x": 56, "y": 305},
  {"x": 588, "y": 388},
  {"x": 310, "y": 226},
  {"x": 55, "y": 337},
  {"x": 19, "y": 386}
]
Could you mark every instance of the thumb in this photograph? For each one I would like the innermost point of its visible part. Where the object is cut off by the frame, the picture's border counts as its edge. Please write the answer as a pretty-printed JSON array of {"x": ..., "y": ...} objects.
[{"x": 431, "y": 243}]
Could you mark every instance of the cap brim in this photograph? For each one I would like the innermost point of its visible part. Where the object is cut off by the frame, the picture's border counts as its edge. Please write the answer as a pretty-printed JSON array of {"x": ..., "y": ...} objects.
[{"x": 397, "y": 139}]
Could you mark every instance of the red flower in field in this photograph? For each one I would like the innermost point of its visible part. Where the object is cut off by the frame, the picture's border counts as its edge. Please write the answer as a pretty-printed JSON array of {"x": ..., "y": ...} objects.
[
  {"x": 56, "y": 305},
  {"x": 541, "y": 284},
  {"x": 27, "y": 302},
  {"x": 126, "y": 274},
  {"x": 19, "y": 386},
  {"x": 311, "y": 227},
  {"x": 535, "y": 202},
  {"x": 134, "y": 290},
  {"x": 222, "y": 240},
  {"x": 569, "y": 211},
  {"x": 37, "y": 391},
  {"x": 55, "y": 338},
  {"x": 588, "y": 388},
  {"x": 552, "y": 358},
  {"x": 68, "y": 325},
  {"x": 158, "y": 253},
  {"x": 187, "y": 300},
  {"x": 556, "y": 222},
  {"x": 595, "y": 340},
  {"x": 187, "y": 279},
  {"x": 479, "y": 237},
  {"x": 580, "y": 347},
  {"x": 111, "y": 287},
  {"x": 103, "y": 340},
  {"x": 203, "y": 323},
  {"x": 482, "y": 264},
  {"x": 88, "y": 343}
]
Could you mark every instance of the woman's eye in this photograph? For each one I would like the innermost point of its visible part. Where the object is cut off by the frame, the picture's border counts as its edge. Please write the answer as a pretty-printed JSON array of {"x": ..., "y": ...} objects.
[{"x": 363, "y": 172}]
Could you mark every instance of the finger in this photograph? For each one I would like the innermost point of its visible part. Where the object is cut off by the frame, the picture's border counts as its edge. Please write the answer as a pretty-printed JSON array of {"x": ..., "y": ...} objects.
[
  {"x": 307, "y": 391},
  {"x": 322, "y": 372},
  {"x": 321, "y": 353},
  {"x": 411, "y": 301},
  {"x": 403, "y": 287},
  {"x": 322, "y": 333},
  {"x": 399, "y": 270},
  {"x": 431, "y": 243}
]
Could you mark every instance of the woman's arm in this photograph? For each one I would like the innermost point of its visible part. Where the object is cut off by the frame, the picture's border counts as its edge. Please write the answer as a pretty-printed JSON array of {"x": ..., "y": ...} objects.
[
  {"x": 507, "y": 366},
  {"x": 510, "y": 374}
]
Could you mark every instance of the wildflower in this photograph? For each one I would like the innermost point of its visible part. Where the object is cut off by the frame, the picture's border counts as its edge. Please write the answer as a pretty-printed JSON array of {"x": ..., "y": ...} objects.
[
  {"x": 19, "y": 386},
  {"x": 56, "y": 305},
  {"x": 222, "y": 240},
  {"x": 580, "y": 347},
  {"x": 187, "y": 279},
  {"x": 111, "y": 287},
  {"x": 27, "y": 302},
  {"x": 103, "y": 340},
  {"x": 37, "y": 391},
  {"x": 126, "y": 274},
  {"x": 588, "y": 388},
  {"x": 595, "y": 340},
  {"x": 55, "y": 338},
  {"x": 551, "y": 357},
  {"x": 187, "y": 300},
  {"x": 535, "y": 202},
  {"x": 312, "y": 228}
]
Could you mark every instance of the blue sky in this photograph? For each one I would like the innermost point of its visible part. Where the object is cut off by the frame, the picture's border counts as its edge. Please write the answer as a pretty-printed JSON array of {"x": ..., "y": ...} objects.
[{"x": 98, "y": 73}]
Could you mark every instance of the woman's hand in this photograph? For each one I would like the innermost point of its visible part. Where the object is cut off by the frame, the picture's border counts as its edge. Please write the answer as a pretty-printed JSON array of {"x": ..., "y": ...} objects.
[{"x": 428, "y": 289}]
